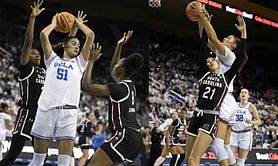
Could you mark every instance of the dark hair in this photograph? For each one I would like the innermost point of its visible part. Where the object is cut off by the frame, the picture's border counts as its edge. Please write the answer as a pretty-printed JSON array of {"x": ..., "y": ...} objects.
[
  {"x": 133, "y": 63},
  {"x": 3, "y": 106},
  {"x": 59, "y": 49}
]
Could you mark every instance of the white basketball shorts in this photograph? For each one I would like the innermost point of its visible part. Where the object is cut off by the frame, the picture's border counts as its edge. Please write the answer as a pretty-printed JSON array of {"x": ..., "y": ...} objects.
[
  {"x": 55, "y": 124},
  {"x": 242, "y": 141}
]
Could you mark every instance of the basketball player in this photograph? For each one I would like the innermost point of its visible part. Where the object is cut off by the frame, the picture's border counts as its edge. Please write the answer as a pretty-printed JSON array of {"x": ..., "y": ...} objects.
[
  {"x": 85, "y": 131},
  {"x": 166, "y": 149},
  {"x": 246, "y": 116},
  {"x": 223, "y": 51},
  {"x": 173, "y": 139},
  {"x": 5, "y": 124},
  {"x": 31, "y": 79},
  {"x": 56, "y": 117},
  {"x": 126, "y": 141},
  {"x": 213, "y": 86}
]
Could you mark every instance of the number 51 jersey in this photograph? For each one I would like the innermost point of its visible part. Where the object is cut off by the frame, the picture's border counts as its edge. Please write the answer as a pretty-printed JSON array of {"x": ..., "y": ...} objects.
[{"x": 62, "y": 82}]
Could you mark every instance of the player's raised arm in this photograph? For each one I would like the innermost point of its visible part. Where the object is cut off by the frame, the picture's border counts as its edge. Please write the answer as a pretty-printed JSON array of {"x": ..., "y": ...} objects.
[
  {"x": 90, "y": 37},
  {"x": 257, "y": 119},
  {"x": 28, "y": 41},
  {"x": 209, "y": 29},
  {"x": 44, "y": 36},
  {"x": 97, "y": 89},
  {"x": 118, "y": 50}
]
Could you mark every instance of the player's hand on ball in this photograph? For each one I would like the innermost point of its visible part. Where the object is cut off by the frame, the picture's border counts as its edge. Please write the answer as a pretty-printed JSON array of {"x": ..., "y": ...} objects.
[
  {"x": 36, "y": 8},
  {"x": 125, "y": 38},
  {"x": 95, "y": 53},
  {"x": 54, "y": 20}
]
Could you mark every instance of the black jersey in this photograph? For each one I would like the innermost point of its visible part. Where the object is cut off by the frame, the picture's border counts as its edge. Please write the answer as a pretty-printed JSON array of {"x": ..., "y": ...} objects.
[
  {"x": 213, "y": 87},
  {"x": 122, "y": 112},
  {"x": 177, "y": 130},
  {"x": 31, "y": 81},
  {"x": 85, "y": 128}
]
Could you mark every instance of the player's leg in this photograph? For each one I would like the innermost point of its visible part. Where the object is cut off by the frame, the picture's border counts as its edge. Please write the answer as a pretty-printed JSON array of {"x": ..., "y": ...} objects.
[
  {"x": 188, "y": 147},
  {"x": 218, "y": 143},
  {"x": 17, "y": 144},
  {"x": 40, "y": 148},
  {"x": 174, "y": 158},
  {"x": 84, "y": 156},
  {"x": 180, "y": 151},
  {"x": 245, "y": 145},
  {"x": 242, "y": 156},
  {"x": 201, "y": 144},
  {"x": 162, "y": 156},
  {"x": 65, "y": 151},
  {"x": 231, "y": 156}
]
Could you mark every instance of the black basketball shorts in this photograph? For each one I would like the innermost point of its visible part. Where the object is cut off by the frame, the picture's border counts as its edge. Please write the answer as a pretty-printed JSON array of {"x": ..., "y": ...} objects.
[
  {"x": 24, "y": 122},
  {"x": 206, "y": 123},
  {"x": 124, "y": 145}
]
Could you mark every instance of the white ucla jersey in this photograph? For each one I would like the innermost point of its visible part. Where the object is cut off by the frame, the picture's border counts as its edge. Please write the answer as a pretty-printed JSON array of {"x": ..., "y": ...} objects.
[
  {"x": 62, "y": 82},
  {"x": 242, "y": 114},
  {"x": 3, "y": 117},
  {"x": 226, "y": 63}
]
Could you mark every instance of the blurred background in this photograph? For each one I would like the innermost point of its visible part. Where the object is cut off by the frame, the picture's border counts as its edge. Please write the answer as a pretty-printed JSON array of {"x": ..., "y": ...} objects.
[{"x": 169, "y": 42}]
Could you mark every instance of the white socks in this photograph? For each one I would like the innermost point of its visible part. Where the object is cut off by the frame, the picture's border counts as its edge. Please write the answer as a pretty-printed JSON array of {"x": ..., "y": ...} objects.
[
  {"x": 159, "y": 161},
  {"x": 64, "y": 160},
  {"x": 38, "y": 159},
  {"x": 240, "y": 162},
  {"x": 230, "y": 153}
]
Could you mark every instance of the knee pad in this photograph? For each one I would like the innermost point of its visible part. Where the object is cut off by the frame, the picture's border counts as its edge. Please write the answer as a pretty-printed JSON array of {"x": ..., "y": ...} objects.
[
  {"x": 219, "y": 150},
  {"x": 230, "y": 153}
]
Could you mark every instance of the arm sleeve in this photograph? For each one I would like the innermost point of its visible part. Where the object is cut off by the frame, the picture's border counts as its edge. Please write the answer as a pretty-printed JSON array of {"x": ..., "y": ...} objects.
[
  {"x": 239, "y": 62},
  {"x": 117, "y": 91},
  {"x": 203, "y": 55}
]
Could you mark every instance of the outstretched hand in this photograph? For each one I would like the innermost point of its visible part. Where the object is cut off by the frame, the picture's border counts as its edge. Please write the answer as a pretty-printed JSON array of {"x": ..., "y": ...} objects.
[
  {"x": 242, "y": 26},
  {"x": 125, "y": 38},
  {"x": 81, "y": 16},
  {"x": 36, "y": 8},
  {"x": 95, "y": 53}
]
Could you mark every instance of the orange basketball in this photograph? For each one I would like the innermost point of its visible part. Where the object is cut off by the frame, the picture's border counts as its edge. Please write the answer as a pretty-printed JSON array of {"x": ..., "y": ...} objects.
[
  {"x": 65, "y": 22},
  {"x": 190, "y": 13}
]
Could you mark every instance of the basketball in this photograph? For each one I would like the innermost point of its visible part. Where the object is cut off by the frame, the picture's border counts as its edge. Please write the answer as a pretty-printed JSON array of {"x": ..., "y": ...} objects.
[
  {"x": 65, "y": 22},
  {"x": 190, "y": 13}
]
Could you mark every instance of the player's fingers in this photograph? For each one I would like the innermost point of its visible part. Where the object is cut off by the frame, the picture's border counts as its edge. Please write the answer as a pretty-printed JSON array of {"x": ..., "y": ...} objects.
[
  {"x": 31, "y": 7},
  {"x": 85, "y": 21},
  {"x": 84, "y": 16},
  {"x": 42, "y": 9},
  {"x": 237, "y": 26},
  {"x": 81, "y": 13},
  {"x": 78, "y": 13},
  {"x": 40, "y": 2},
  {"x": 99, "y": 48}
]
